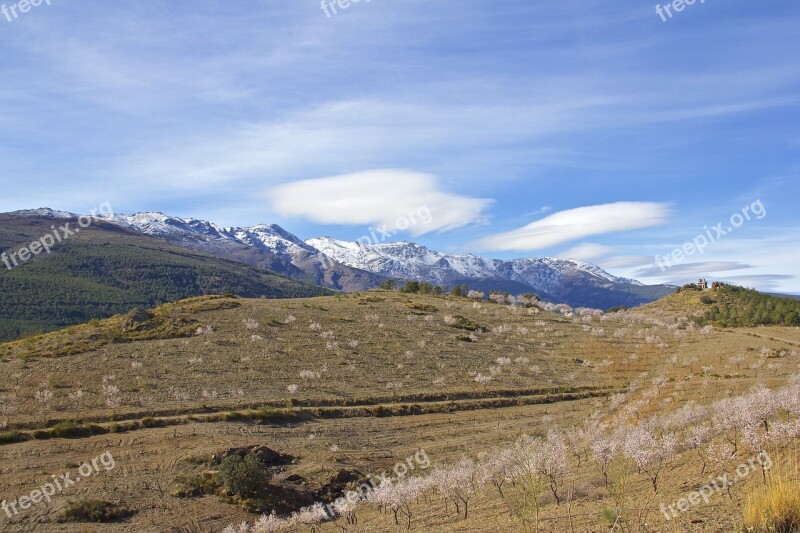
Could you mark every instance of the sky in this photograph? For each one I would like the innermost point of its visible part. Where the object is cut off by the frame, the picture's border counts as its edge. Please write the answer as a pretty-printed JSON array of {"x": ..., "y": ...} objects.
[{"x": 595, "y": 130}]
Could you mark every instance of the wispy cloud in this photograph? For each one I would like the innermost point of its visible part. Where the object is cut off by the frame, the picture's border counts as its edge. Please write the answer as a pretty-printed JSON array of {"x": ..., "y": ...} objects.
[
  {"x": 578, "y": 223},
  {"x": 626, "y": 261},
  {"x": 586, "y": 251},
  {"x": 704, "y": 268},
  {"x": 379, "y": 197}
]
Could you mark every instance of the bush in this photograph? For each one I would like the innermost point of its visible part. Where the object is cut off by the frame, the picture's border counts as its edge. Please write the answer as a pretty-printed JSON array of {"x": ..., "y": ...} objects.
[
  {"x": 706, "y": 299},
  {"x": 243, "y": 477},
  {"x": 70, "y": 429},
  {"x": 91, "y": 510},
  {"x": 422, "y": 308},
  {"x": 388, "y": 285},
  {"x": 411, "y": 287},
  {"x": 462, "y": 322},
  {"x": 194, "y": 485},
  {"x": 150, "y": 422},
  {"x": 7, "y": 437}
]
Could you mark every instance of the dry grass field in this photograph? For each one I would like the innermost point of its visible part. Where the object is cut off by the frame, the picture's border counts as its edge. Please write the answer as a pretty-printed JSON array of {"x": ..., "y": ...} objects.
[{"x": 357, "y": 383}]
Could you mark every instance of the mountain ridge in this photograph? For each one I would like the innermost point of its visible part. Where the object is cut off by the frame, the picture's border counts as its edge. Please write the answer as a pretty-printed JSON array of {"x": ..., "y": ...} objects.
[
  {"x": 354, "y": 266},
  {"x": 107, "y": 269}
]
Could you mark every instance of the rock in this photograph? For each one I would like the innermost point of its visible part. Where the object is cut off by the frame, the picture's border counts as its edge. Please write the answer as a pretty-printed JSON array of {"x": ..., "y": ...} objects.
[{"x": 137, "y": 319}]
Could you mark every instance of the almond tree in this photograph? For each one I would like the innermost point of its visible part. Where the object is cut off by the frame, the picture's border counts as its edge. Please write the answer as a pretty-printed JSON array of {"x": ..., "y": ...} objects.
[
  {"x": 605, "y": 448},
  {"x": 526, "y": 464},
  {"x": 698, "y": 436},
  {"x": 457, "y": 483},
  {"x": 554, "y": 463},
  {"x": 649, "y": 453},
  {"x": 497, "y": 470}
]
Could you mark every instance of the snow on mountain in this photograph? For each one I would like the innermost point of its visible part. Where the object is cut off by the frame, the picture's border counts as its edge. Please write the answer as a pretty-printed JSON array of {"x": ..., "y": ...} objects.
[
  {"x": 406, "y": 260},
  {"x": 264, "y": 237},
  {"x": 599, "y": 272},
  {"x": 44, "y": 212},
  {"x": 352, "y": 266}
]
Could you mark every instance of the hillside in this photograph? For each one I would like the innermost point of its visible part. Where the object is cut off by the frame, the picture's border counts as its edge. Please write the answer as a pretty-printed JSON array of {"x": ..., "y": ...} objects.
[
  {"x": 105, "y": 269},
  {"x": 331, "y": 389},
  {"x": 728, "y": 306}
]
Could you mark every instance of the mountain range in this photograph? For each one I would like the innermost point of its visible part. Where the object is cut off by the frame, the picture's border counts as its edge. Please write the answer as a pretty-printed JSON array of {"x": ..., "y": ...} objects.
[
  {"x": 145, "y": 259},
  {"x": 351, "y": 266}
]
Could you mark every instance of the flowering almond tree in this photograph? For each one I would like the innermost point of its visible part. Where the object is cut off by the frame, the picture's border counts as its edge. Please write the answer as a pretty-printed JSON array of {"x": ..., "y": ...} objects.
[{"x": 650, "y": 454}]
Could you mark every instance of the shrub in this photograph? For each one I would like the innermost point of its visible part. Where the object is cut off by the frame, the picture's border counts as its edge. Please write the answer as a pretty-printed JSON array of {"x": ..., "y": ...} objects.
[
  {"x": 91, "y": 510},
  {"x": 411, "y": 287},
  {"x": 706, "y": 299},
  {"x": 462, "y": 322},
  {"x": 150, "y": 422},
  {"x": 7, "y": 437},
  {"x": 422, "y": 308},
  {"x": 388, "y": 285},
  {"x": 243, "y": 477},
  {"x": 70, "y": 429},
  {"x": 194, "y": 485}
]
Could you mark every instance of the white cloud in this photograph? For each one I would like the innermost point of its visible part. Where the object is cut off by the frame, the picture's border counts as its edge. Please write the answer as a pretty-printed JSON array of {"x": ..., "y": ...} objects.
[
  {"x": 541, "y": 211},
  {"x": 578, "y": 223},
  {"x": 586, "y": 251},
  {"x": 704, "y": 268},
  {"x": 395, "y": 198},
  {"x": 621, "y": 261}
]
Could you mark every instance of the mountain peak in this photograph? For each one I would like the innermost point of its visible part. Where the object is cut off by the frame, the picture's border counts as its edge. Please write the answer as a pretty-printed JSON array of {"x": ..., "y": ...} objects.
[{"x": 44, "y": 212}]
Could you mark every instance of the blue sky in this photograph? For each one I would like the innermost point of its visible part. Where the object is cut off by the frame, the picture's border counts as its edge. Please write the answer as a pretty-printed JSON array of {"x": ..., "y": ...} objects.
[{"x": 587, "y": 129}]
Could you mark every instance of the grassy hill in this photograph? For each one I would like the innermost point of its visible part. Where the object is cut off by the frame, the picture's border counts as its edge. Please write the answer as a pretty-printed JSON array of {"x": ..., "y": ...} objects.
[
  {"x": 104, "y": 270},
  {"x": 351, "y": 385},
  {"x": 728, "y": 306},
  {"x": 733, "y": 306}
]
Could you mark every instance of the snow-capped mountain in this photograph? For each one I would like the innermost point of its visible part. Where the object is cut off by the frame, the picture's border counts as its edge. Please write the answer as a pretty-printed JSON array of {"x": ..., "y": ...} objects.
[
  {"x": 413, "y": 261},
  {"x": 272, "y": 237},
  {"x": 351, "y": 266},
  {"x": 44, "y": 212},
  {"x": 557, "y": 279},
  {"x": 265, "y": 246}
]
